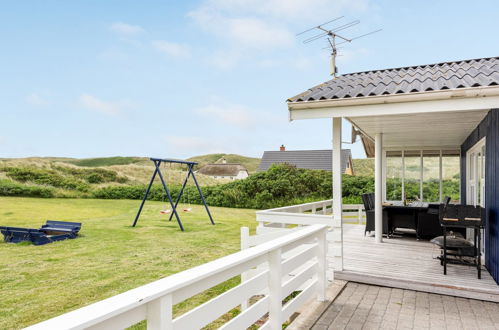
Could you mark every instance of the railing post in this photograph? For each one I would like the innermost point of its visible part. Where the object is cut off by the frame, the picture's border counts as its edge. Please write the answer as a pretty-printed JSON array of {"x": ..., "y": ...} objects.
[
  {"x": 244, "y": 275},
  {"x": 159, "y": 313},
  {"x": 275, "y": 290},
  {"x": 260, "y": 225},
  {"x": 314, "y": 209},
  {"x": 322, "y": 265},
  {"x": 359, "y": 211}
]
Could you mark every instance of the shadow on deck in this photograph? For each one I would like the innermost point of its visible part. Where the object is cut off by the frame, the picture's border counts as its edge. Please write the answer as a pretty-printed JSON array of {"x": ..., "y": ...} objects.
[{"x": 409, "y": 264}]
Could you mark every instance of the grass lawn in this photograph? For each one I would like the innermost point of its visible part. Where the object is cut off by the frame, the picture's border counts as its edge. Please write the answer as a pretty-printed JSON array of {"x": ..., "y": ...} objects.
[{"x": 110, "y": 257}]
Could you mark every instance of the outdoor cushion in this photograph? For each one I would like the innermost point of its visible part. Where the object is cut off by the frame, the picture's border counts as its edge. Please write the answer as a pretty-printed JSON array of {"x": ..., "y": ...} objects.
[{"x": 453, "y": 241}]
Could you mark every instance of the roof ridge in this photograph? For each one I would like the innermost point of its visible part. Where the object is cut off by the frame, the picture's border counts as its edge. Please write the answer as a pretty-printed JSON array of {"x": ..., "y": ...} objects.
[{"x": 343, "y": 149}]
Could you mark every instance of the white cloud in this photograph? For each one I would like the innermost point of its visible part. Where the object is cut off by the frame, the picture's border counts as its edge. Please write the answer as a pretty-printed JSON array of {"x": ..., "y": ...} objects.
[
  {"x": 126, "y": 30},
  {"x": 93, "y": 103},
  {"x": 245, "y": 32},
  {"x": 231, "y": 114},
  {"x": 254, "y": 28},
  {"x": 287, "y": 10},
  {"x": 192, "y": 145},
  {"x": 36, "y": 100},
  {"x": 172, "y": 49}
]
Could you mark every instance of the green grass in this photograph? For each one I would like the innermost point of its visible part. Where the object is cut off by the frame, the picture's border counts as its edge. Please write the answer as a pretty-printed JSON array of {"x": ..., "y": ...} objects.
[
  {"x": 110, "y": 257},
  {"x": 106, "y": 161},
  {"x": 363, "y": 167},
  {"x": 250, "y": 163}
]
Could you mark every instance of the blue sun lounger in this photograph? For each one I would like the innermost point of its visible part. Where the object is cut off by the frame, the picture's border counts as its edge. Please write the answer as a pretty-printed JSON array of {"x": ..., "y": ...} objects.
[{"x": 50, "y": 232}]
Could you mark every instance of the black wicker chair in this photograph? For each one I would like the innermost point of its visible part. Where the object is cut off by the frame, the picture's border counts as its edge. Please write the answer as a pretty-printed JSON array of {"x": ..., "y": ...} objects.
[{"x": 368, "y": 200}]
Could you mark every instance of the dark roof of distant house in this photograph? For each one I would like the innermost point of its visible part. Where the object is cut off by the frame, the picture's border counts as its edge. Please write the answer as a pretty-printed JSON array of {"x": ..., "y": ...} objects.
[
  {"x": 472, "y": 73},
  {"x": 308, "y": 159},
  {"x": 222, "y": 169}
]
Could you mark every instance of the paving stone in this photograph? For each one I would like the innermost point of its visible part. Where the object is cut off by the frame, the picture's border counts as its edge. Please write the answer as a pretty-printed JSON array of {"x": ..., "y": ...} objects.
[{"x": 369, "y": 307}]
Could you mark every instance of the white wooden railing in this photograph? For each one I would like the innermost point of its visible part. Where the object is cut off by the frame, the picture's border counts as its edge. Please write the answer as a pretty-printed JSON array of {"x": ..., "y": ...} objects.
[
  {"x": 154, "y": 301},
  {"x": 310, "y": 213}
]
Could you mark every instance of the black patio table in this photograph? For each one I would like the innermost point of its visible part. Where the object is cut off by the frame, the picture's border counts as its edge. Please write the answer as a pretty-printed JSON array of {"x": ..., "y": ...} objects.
[{"x": 405, "y": 216}]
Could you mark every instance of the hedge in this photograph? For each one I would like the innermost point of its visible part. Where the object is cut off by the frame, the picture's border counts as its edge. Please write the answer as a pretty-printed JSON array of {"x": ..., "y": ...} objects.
[
  {"x": 279, "y": 186},
  {"x": 9, "y": 188}
]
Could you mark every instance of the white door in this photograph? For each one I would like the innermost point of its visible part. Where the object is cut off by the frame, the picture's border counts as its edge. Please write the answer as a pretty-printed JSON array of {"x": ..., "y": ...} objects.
[{"x": 475, "y": 181}]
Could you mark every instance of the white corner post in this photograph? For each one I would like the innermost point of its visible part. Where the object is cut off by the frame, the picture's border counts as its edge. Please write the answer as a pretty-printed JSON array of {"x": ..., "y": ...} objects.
[
  {"x": 378, "y": 187},
  {"x": 337, "y": 248}
]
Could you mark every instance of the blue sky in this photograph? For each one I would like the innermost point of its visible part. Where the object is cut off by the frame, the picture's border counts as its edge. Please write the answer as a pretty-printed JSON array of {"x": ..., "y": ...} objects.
[{"x": 182, "y": 78}]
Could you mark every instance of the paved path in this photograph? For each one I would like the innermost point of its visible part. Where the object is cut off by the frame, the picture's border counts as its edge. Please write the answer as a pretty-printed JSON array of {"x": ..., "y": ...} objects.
[{"x": 362, "y": 306}]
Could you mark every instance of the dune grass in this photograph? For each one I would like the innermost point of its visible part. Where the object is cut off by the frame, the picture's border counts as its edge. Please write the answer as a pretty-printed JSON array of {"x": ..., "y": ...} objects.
[
  {"x": 106, "y": 161},
  {"x": 250, "y": 163},
  {"x": 110, "y": 257}
]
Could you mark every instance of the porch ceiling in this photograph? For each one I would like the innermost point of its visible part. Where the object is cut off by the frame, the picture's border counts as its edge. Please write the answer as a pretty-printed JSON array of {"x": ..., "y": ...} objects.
[{"x": 430, "y": 129}]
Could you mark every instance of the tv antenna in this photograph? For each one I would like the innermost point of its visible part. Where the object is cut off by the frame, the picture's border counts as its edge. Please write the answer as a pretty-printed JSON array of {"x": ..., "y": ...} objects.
[{"x": 332, "y": 35}]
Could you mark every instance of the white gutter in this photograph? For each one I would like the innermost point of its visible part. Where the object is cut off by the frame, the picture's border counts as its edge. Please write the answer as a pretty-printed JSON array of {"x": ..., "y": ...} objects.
[
  {"x": 475, "y": 98},
  {"x": 397, "y": 98}
]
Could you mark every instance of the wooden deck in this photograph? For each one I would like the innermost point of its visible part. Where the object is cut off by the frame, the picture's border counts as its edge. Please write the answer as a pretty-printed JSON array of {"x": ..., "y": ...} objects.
[{"x": 409, "y": 264}]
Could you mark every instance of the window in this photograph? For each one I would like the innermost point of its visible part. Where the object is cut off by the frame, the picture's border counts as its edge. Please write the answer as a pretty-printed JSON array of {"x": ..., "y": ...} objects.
[
  {"x": 412, "y": 174},
  {"x": 394, "y": 176},
  {"x": 451, "y": 175},
  {"x": 431, "y": 176},
  {"x": 426, "y": 175}
]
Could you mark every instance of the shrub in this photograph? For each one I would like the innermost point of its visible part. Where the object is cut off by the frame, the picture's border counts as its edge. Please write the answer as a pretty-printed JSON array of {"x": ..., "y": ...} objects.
[
  {"x": 45, "y": 177},
  {"x": 93, "y": 175},
  {"x": 9, "y": 188},
  {"x": 279, "y": 186}
]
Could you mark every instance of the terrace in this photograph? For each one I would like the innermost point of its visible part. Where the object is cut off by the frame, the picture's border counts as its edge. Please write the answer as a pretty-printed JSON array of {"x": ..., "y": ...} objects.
[{"x": 401, "y": 262}]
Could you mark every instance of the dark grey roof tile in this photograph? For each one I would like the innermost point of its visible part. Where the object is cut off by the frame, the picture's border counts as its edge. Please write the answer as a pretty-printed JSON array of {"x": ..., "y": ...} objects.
[{"x": 433, "y": 77}]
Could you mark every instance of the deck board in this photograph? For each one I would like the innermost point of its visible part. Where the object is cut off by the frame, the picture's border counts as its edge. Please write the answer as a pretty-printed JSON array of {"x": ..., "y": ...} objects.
[{"x": 408, "y": 264}]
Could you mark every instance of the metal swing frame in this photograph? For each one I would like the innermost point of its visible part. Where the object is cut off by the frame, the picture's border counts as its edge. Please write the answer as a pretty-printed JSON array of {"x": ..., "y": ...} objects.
[{"x": 157, "y": 164}]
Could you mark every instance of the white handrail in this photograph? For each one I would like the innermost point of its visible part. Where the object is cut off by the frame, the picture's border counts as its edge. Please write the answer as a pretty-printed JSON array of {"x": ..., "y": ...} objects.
[
  {"x": 154, "y": 301},
  {"x": 319, "y": 212}
]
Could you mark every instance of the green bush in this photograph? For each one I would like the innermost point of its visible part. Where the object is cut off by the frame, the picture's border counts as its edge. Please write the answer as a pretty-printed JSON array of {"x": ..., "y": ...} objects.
[
  {"x": 9, "y": 188},
  {"x": 279, "y": 186},
  {"x": 45, "y": 177},
  {"x": 93, "y": 175}
]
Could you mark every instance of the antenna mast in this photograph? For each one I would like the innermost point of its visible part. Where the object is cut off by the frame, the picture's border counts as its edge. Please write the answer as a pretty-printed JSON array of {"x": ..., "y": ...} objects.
[{"x": 331, "y": 35}]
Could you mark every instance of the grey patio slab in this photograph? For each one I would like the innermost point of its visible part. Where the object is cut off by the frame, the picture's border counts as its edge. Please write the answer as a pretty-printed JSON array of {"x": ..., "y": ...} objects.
[{"x": 361, "y": 306}]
